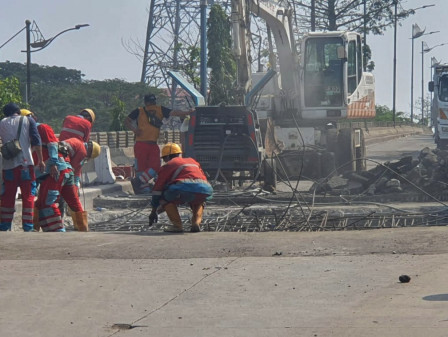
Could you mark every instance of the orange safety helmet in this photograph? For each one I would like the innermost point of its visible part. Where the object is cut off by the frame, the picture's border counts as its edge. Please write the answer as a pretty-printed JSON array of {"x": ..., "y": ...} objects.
[
  {"x": 90, "y": 112},
  {"x": 170, "y": 148}
]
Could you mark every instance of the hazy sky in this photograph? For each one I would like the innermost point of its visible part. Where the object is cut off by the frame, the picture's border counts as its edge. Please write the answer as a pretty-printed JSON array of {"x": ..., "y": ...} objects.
[{"x": 98, "y": 51}]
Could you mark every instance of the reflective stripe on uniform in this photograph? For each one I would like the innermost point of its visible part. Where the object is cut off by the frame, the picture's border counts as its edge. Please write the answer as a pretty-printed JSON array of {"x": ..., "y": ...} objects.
[
  {"x": 180, "y": 168},
  {"x": 76, "y": 132}
]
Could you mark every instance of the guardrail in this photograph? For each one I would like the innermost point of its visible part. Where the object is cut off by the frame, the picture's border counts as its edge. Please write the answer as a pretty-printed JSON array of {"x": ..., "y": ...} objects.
[{"x": 122, "y": 139}]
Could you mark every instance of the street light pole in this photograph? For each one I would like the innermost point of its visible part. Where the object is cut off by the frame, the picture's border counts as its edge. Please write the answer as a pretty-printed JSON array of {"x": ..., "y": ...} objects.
[
  {"x": 40, "y": 45},
  {"x": 416, "y": 33},
  {"x": 28, "y": 61},
  {"x": 423, "y": 82},
  {"x": 395, "y": 61}
]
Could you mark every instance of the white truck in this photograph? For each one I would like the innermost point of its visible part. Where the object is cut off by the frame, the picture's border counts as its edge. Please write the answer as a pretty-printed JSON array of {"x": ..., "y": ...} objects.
[{"x": 439, "y": 105}]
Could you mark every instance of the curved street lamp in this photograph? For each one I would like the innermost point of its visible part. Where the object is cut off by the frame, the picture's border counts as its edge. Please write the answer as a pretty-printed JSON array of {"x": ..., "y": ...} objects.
[{"x": 42, "y": 44}]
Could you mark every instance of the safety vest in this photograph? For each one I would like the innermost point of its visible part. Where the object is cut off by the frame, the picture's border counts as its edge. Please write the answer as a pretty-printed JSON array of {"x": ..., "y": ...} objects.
[{"x": 149, "y": 122}]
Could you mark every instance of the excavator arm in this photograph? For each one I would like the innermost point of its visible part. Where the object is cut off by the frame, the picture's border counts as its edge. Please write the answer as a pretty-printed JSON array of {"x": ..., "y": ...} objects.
[{"x": 278, "y": 20}]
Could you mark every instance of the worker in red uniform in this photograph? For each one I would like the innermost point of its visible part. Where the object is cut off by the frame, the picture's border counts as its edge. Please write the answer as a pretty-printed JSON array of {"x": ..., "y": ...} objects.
[
  {"x": 18, "y": 171},
  {"x": 179, "y": 181},
  {"x": 78, "y": 126},
  {"x": 145, "y": 122},
  {"x": 59, "y": 181},
  {"x": 49, "y": 141},
  {"x": 76, "y": 153}
]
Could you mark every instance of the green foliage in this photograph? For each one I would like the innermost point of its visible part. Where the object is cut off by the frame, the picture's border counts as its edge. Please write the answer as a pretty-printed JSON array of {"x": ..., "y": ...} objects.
[
  {"x": 118, "y": 115},
  {"x": 349, "y": 15},
  {"x": 9, "y": 92},
  {"x": 220, "y": 59},
  {"x": 192, "y": 66},
  {"x": 384, "y": 114},
  {"x": 58, "y": 92}
]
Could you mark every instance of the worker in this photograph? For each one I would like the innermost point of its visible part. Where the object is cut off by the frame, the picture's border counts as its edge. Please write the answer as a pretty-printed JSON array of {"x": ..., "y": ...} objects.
[
  {"x": 76, "y": 152},
  {"x": 179, "y": 181},
  {"x": 48, "y": 139},
  {"x": 59, "y": 181},
  {"x": 145, "y": 122},
  {"x": 18, "y": 171},
  {"x": 78, "y": 126}
]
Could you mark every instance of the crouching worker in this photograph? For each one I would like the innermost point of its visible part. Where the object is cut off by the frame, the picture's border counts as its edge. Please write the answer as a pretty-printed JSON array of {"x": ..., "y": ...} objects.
[
  {"x": 179, "y": 181},
  {"x": 64, "y": 163}
]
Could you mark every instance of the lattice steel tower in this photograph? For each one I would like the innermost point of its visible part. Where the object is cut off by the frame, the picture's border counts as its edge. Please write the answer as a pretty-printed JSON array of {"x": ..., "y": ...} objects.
[{"x": 172, "y": 27}]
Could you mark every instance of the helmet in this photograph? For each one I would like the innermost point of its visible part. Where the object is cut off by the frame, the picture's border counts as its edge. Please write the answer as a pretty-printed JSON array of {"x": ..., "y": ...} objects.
[
  {"x": 25, "y": 112},
  {"x": 150, "y": 98},
  {"x": 10, "y": 108},
  {"x": 170, "y": 148},
  {"x": 90, "y": 112},
  {"x": 96, "y": 149}
]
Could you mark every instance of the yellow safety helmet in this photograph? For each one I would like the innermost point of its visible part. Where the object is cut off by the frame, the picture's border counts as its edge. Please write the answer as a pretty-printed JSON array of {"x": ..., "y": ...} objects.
[
  {"x": 90, "y": 112},
  {"x": 170, "y": 148},
  {"x": 96, "y": 149},
  {"x": 25, "y": 112}
]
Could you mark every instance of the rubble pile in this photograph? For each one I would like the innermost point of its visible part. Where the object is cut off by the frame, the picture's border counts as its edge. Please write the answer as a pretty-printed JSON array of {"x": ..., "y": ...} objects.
[{"x": 427, "y": 173}]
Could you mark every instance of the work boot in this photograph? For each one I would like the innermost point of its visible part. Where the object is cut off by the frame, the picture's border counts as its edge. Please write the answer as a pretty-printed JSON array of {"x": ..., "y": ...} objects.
[
  {"x": 136, "y": 185},
  {"x": 196, "y": 219},
  {"x": 75, "y": 224},
  {"x": 80, "y": 219},
  {"x": 173, "y": 214},
  {"x": 172, "y": 229},
  {"x": 36, "y": 224}
]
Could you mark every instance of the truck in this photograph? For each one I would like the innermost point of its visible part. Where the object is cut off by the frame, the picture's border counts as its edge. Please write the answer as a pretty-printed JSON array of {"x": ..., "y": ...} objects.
[
  {"x": 439, "y": 105},
  {"x": 287, "y": 125}
]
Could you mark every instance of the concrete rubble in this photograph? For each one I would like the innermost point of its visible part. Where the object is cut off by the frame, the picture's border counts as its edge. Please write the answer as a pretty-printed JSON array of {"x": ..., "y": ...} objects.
[{"x": 428, "y": 173}]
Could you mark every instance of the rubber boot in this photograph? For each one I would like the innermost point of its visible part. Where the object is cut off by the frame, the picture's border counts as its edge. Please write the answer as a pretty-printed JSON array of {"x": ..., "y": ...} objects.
[
  {"x": 80, "y": 219},
  {"x": 36, "y": 224},
  {"x": 173, "y": 214},
  {"x": 75, "y": 224},
  {"x": 196, "y": 219}
]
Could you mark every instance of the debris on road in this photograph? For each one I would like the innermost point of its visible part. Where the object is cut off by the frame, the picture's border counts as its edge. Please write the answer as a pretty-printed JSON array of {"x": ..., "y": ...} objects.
[
  {"x": 428, "y": 173},
  {"x": 404, "y": 278}
]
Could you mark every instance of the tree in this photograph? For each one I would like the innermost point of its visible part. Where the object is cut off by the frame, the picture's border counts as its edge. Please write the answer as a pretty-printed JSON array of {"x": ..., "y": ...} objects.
[
  {"x": 348, "y": 15},
  {"x": 220, "y": 59},
  {"x": 118, "y": 116},
  {"x": 9, "y": 92},
  {"x": 384, "y": 114},
  {"x": 192, "y": 66},
  {"x": 58, "y": 92}
]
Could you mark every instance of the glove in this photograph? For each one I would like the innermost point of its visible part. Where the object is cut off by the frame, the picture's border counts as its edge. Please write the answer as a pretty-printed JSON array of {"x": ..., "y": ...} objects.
[{"x": 153, "y": 218}]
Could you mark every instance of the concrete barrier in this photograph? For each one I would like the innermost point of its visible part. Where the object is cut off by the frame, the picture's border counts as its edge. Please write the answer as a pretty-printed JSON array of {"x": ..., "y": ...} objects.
[{"x": 381, "y": 134}]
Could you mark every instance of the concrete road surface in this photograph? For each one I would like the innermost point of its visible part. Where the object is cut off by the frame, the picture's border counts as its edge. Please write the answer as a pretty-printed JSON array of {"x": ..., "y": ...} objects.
[{"x": 313, "y": 284}]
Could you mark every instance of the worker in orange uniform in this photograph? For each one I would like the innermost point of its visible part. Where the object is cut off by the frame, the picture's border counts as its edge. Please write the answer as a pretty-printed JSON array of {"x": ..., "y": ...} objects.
[
  {"x": 179, "y": 181},
  {"x": 78, "y": 152},
  {"x": 145, "y": 122},
  {"x": 59, "y": 181},
  {"x": 18, "y": 170},
  {"x": 78, "y": 126}
]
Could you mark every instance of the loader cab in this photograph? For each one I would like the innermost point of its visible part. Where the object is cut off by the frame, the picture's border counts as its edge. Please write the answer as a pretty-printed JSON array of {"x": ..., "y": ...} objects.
[{"x": 332, "y": 70}]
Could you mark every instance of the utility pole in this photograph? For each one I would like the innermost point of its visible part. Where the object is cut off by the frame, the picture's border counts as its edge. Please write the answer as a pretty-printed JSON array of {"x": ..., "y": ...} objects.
[{"x": 28, "y": 62}]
